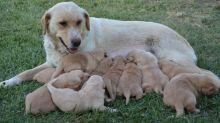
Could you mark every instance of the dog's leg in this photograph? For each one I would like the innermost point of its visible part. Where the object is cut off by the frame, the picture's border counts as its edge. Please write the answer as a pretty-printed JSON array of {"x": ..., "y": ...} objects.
[{"x": 24, "y": 76}]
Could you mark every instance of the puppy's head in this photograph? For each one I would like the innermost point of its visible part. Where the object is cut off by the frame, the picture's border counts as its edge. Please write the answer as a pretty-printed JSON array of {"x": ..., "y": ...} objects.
[
  {"x": 66, "y": 22},
  {"x": 141, "y": 57},
  {"x": 209, "y": 88},
  {"x": 99, "y": 54},
  {"x": 205, "y": 83}
]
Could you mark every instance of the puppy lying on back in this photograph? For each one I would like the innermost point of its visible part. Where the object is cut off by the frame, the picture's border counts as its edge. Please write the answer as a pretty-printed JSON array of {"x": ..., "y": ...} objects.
[
  {"x": 103, "y": 66},
  {"x": 39, "y": 101},
  {"x": 172, "y": 68},
  {"x": 130, "y": 82},
  {"x": 153, "y": 77},
  {"x": 45, "y": 75},
  {"x": 182, "y": 90},
  {"x": 112, "y": 76},
  {"x": 86, "y": 61},
  {"x": 91, "y": 96}
]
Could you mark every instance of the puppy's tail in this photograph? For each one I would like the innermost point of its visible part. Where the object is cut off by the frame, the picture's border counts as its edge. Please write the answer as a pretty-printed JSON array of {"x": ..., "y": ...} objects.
[
  {"x": 50, "y": 87},
  {"x": 127, "y": 96}
]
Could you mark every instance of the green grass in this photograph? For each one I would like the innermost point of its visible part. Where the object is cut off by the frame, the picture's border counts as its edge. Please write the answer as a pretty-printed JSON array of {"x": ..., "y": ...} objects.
[{"x": 21, "y": 48}]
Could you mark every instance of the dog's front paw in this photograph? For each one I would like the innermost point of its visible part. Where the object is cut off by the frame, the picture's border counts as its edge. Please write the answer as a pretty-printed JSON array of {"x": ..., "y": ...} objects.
[
  {"x": 10, "y": 82},
  {"x": 3, "y": 84}
]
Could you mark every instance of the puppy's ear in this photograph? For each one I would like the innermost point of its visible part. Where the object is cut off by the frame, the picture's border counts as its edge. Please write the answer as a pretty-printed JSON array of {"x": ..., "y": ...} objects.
[
  {"x": 86, "y": 16},
  {"x": 45, "y": 22}
]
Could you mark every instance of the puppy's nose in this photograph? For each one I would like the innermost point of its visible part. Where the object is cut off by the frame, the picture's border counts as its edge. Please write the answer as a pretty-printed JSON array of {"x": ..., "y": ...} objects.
[{"x": 76, "y": 42}]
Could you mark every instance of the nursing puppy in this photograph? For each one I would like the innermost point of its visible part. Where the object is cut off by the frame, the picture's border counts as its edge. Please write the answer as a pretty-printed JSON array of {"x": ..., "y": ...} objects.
[
  {"x": 182, "y": 90},
  {"x": 172, "y": 68},
  {"x": 112, "y": 76},
  {"x": 103, "y": 66},
  {"x": 45, "y": 75},
  {"x": 91, "y": 96},
  {"x": 153, "y": 77},
  {"x": 39, "y": 101},
  {"x": 130, "y": 82},
  {"x": 86, "y": 61}
]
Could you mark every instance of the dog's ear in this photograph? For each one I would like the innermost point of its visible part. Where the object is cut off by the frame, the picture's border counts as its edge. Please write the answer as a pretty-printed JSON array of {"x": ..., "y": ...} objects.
[
  {"x": 45, "y": 22},
  {"x": 86, "y": 16}
]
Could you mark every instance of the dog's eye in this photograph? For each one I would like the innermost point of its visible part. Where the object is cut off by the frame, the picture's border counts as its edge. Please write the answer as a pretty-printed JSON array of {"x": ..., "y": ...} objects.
[
  {"x": 78, "y": 22},
  {"x": 63, "y": 23}
]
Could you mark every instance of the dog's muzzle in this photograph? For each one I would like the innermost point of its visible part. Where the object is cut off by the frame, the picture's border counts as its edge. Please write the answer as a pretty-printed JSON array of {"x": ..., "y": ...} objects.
[{"x": 70, "y": 50}]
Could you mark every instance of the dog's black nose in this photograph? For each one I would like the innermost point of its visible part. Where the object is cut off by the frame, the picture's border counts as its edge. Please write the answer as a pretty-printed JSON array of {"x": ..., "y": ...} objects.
[{"x": 76, "y": 42}]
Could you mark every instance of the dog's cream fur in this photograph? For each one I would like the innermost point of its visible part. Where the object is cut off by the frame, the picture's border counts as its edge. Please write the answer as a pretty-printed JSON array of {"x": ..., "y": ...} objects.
[
  {"x": 39, "y": 101},
  {"x": 130, "y": 82},
  {"x": 182, "y": 90},
  {"x": 153, "y": 78},
  {"x": 91, "y": 96},
  {"x": 68, "y": 21}
]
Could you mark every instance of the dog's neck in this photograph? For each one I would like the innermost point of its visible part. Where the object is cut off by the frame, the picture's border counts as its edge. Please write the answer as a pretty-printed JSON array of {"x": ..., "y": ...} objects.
[{"x": 56, "y": 44}]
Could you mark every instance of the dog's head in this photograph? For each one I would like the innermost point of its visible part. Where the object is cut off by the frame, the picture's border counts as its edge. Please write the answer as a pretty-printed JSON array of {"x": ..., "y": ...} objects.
[{"x": 66, "y": 22}]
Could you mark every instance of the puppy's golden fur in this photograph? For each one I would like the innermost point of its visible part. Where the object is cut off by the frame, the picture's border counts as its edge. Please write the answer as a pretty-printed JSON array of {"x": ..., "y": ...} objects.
[
  {"x": 103, "y": 66},
  {"x": 112, "y": 76},
  {"x": 45, "y": 75},
  {"x": 182, "y": 90},
  {"x": 40, "y": 100},
  {"x": 130, "y": 82},
  {"x": 153, "y": 77},
  {"x": 86, "y": 61},
  {"x": 91, "y": 96},
  {"x": 172, "y": 68}
]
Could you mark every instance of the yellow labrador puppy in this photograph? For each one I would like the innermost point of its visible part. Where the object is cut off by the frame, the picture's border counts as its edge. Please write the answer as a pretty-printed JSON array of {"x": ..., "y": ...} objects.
[
  {"x": 45, "y": 75},
  {"x": 68, "y": 28},
  {"x": 172, "y": 68},
  {"x": 153, "y": 78},
  {"x": 182, "y": 90},
  {"x": 39, "y": 101},
  {"x": 130, "y": 82},
  {"x": 112, "y": 76},
  {"x": 103, "y": 66},
  {"x": 91, "y": 96},
  {"x": 86, "y": 61}
]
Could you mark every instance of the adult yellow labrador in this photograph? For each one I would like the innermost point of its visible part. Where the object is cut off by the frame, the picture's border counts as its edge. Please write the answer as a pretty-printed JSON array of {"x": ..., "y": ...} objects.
[{"x": 68, "y": 28}]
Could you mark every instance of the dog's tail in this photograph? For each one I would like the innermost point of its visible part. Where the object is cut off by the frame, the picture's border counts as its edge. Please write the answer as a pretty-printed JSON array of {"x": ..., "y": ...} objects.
[
  {"x": 50, "y": 87},
  {"x": 127, "y": 95}
]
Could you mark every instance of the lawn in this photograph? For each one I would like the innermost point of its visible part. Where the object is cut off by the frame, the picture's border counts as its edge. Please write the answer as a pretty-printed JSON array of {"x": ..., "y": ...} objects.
[{"x": 21, "y": 49}]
